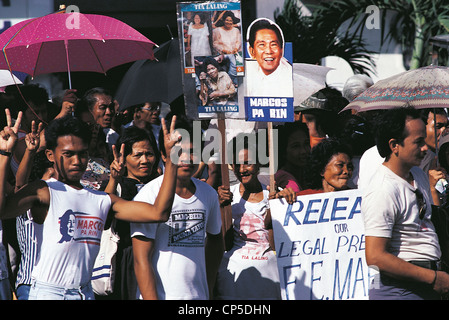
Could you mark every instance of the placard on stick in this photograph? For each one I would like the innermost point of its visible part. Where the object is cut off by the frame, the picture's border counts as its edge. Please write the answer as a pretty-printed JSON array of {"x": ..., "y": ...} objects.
[{"x": 320, "y": 247}]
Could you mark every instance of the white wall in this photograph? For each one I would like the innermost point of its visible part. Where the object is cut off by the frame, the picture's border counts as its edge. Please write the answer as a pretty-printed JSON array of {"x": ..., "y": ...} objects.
[{"x": 388, "y": 60}]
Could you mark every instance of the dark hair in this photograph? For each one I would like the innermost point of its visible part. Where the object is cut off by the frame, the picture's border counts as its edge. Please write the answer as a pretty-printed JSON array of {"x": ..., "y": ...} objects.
[
  {"x": 65, "y": 126},
  {"x": 285, "y": 132},
  {"x": 425, "y": 113},
  {"x": 212, "y": 61},
  {"x": 226, "y": 14},
  {"x": 391, "y": 125},
  {"x": 90, "y": 99},
  {"x": 31, "y": 92},
  {"x": 357, "y": 132},
  {"x": 264, "y": 24},
  {"x": 134, "y": 134},
  {"x": 320, "y": 156},
  {"x": 199, "y": 14},
  {"x": 246, "y": 141}
]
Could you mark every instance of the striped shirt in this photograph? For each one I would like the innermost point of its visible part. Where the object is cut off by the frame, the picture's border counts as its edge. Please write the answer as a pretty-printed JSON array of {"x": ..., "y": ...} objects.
[{"x": 29, "y": 236}]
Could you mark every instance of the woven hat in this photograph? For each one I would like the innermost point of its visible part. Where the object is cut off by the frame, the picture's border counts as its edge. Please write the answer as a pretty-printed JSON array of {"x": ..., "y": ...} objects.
[{"x": 317, "y": 100}]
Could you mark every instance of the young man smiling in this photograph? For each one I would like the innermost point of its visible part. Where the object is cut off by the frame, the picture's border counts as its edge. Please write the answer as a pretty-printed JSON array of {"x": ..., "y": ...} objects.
[{"x": 70, "y": 213}]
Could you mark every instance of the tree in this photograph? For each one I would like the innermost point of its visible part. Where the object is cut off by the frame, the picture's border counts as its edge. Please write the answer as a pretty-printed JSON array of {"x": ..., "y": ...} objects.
[{"x": 319, "y": 35}]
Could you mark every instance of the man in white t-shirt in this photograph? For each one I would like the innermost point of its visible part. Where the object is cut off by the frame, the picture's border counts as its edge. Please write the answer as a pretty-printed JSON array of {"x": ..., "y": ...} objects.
[
  {"x": 72, "y": 217},
  {"x": 179, "y": 259},
  {"x": 401, "y": 242}
]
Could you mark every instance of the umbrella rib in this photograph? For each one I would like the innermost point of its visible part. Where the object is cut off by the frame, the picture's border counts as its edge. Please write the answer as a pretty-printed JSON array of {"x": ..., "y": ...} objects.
[
  {"x": 150, "y": 53},
  {"x": 96, "y": 56}
]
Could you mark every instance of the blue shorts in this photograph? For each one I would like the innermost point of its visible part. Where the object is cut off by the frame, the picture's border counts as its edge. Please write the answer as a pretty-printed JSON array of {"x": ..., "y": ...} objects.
[{"x": 45, "y": 291}]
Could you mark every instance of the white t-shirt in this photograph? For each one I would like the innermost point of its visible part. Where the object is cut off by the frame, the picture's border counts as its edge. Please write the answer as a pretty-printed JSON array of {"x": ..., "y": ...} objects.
[
  {"x": 249, "y": 270},
  {"x": 178, "y": 258},
  {"x": 71, "y": 235},
  {"x": 390, "y": 210},
  {"x": 368, "y": 164}
]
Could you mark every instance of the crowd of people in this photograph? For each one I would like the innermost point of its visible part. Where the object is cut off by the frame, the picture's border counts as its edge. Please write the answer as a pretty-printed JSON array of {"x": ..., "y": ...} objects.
[{"x": 73, "y": 167}]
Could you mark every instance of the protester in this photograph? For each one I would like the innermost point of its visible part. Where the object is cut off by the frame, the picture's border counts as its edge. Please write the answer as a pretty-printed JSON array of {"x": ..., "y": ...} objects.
[
  {"x": 355, "y": 85},
  {"x": 96, "y": 175},
  {"x": 146, "y": 116},
  {"x": 100, "y": 104},
  {"x": 321, "y": 114},
  {"x": 34, "y": 165},
  {"x": 401, "y": 242},
  {"x": 249, "y": 269},
  {"x": 141, "y": 157},
  {"x": 358, "y": 134},
  {"x": 436, "y": 121},
  {"x": 179, "y": 259},
  {"x": 443, "y": 162},
  {"x": 33, "y": 103},
  {"x": 293, "y": 154},
  {"x": 330, "y": 167},
  {"x": 66, "y": 259}
]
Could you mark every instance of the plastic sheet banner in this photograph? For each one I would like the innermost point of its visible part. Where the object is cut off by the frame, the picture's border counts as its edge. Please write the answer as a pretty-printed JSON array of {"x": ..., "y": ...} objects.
[
  {"x": 320, "y": 247},
  {"x": 211, "y": 44}
]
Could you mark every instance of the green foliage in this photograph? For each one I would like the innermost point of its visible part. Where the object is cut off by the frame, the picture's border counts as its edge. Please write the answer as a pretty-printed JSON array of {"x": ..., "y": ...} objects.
[{"x": 314, "y": 37}]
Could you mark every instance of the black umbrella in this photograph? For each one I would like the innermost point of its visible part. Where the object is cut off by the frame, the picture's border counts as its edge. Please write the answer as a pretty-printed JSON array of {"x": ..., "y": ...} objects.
[{"x": 153, "y": 80}]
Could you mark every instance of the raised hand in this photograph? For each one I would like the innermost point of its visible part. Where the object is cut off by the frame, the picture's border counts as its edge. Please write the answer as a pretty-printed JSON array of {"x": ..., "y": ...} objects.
[
  {"x": 8, "y": 136},
  {"x": 68, "y": 103},
  {"x": 32, "y": 139},
  {"x": 171, "y": 138},
  {"x": 118, "y": 164}
]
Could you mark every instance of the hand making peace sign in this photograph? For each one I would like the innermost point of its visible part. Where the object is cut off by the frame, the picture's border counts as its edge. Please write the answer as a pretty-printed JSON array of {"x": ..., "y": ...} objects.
[
  {"x": 118, "y": 164},
  {"x": 8, "y": 136},
  {"x": 172, "y": 137},
  {"x": 33, "y": 138}
]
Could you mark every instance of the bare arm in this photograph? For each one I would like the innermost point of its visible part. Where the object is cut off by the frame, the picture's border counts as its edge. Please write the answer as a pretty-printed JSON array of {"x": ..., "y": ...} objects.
[
  {"x": 143, "y": 268},
  {"x": 214, "y": 253},
  {"x": 8, "y": 140},
  {"x": 377, "y": 255},
  {"x": 34, "y": 195},
  {"x": 136, "y": 211},
  {"x": 117, "y": 169},
  {"x": 32, "y": 141}
]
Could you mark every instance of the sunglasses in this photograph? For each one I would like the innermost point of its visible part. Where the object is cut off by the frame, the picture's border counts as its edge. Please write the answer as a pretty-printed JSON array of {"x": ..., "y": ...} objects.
[
  {"x": 422, "y": 204},
  {"x": 153, "y": 108}
]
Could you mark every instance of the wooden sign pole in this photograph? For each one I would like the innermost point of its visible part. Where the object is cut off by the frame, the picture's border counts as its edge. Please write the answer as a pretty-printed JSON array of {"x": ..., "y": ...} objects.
[{"x": 226, "y": 211}]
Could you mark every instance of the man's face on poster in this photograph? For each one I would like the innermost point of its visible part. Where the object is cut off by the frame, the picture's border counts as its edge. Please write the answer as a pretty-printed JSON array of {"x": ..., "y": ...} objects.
[{"x": 267, "y": 50}]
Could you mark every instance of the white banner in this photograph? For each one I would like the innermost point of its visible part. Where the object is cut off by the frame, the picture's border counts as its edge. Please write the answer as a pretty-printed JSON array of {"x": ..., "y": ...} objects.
[{"x": 320, "y": 247}]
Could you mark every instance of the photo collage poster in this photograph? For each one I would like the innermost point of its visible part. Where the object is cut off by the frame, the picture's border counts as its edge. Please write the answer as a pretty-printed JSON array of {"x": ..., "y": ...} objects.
[
  {"x": 226, "y": 77},
  {"x": 211, "y": 42}
]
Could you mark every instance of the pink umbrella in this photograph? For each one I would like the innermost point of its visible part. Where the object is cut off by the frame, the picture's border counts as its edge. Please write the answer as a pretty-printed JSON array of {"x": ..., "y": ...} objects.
[{"x": 61, "y": 42}]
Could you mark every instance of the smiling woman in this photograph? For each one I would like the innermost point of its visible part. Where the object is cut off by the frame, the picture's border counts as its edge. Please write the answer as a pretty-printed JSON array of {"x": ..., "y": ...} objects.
[{"x": 330, "y": 166}]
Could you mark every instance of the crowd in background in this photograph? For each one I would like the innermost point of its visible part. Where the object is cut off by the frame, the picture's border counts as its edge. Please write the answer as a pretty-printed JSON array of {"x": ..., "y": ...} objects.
[{"x": 323, "y": 150}]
